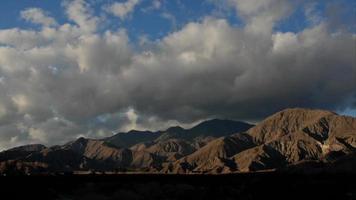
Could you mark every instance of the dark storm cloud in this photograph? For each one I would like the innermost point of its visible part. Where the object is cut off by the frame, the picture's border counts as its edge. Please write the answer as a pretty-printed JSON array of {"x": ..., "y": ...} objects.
[{"x": 67, "y": 80}]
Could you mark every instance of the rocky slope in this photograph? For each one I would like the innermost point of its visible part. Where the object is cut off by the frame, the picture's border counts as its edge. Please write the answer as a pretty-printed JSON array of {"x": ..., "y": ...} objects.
[
  {"x": 283, "y": 139},
  {"x": 290, "y": 139}
]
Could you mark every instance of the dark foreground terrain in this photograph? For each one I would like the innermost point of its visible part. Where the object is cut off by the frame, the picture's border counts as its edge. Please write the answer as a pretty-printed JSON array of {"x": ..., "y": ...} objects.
[{"x": 155, "y": 187}]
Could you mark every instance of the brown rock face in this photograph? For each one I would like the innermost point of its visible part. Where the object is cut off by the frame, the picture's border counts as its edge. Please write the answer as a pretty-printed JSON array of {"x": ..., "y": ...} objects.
[
  {"x": 283, "y": 139},
  {"x": 216, "y": 150},
  {"x": 296, "y": 135},
  {"x": 286, "y": 122},
  {"x": 100, "y": 151}
]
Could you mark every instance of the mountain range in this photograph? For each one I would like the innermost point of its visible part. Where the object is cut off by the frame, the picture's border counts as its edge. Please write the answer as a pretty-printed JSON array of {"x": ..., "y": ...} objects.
[{"x": 293, "y": 140}]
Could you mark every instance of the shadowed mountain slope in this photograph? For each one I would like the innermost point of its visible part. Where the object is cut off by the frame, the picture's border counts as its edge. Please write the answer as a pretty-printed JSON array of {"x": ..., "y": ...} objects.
[
  {"x": 211, "y": 128},
  {"x": 126, "y": 140}
]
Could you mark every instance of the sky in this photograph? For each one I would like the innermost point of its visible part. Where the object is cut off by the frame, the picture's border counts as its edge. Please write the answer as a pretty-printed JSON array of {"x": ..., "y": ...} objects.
[{"x": 71, "y": 68}]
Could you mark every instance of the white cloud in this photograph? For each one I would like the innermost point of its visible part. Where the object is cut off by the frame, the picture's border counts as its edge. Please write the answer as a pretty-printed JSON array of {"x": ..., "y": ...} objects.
[
  {"x": 132, "y": 117},
  {"x": 80, "y": 12},
  {"x": 261, "y": 16},
  {"x": 122, "y": 10},
  {"x": 38, "y": 135},
  {"x": 38, "y": 16},
  {"x": 24, "y": 39},
  {"x": 102, "y": 53},
  {"x": 22, "y": 103},
  {"x": 283, "y": 42}
]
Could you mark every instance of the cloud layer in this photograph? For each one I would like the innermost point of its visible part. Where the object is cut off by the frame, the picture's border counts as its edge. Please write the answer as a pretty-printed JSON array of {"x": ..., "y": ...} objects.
[{"x": 67, "y": 80}]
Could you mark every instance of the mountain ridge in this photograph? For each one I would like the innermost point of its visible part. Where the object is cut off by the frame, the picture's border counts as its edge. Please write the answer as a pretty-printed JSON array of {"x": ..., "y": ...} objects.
[{"x": 286, "y": 138}]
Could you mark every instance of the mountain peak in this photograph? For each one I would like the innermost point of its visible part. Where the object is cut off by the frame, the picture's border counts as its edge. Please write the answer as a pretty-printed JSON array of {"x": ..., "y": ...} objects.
[
  {"x": 133, "y": 131},
  {"x": 131, "y": 138},
  {"x": 78, "y": 143},
  {"x": 216, "y": 124},
  {"x": 219, "y": 127},
  {"x": 81, "y": 140},
  {"x": 175, "y": 129},
  {"x": 285, "y": 122},
  {"x": 298, "y": 111}
]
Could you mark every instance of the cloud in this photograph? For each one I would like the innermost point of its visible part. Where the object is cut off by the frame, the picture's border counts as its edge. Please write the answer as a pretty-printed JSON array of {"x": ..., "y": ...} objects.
[
  {"x": 38, "y": 16},
  {"x": 38, "y": 134},
  {"x": 132, "y": 117},
  {"x": 54, "y": 129},
  {"x": 79, "y": 12},
  {"x": 171, "y": 18},
  {"x": 155, "y": 5},
  {"x": 106, "y": 52},
  {"x": 311, "y": 13},
  {"x": 136, "y": 121},
  {"x": 122, "y": 10},
  {"x": 261, "y": 16},
  {"x": 3, "y": 111},
  {"x": 24, "y": 39},
  {"x": 73, "y": 80},
  {"x": 21, "y": 102}
]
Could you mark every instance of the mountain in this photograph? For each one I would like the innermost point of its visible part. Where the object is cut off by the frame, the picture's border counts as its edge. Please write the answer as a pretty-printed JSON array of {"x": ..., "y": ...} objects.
[
  {"x": 126, "y": 140},
  {"x": 214, "y": 151},
  {"x": 288, "y": 121},
  {"x": 286, "y": 138},
  {"x": 218, "y": 128},
  {"x": 290, "y": 140},
  {"x": 213, "y": 128},
  {"x": 20, "y": 152},
  {"x": 295, "y": 135}
]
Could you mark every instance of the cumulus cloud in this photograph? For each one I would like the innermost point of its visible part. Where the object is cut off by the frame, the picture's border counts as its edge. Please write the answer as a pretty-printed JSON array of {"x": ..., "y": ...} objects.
[
  {"x": 122, "y": 10},
  {"x": 211, "y": 68},
  {"x": 261, "y": 16},
  {"x": 70, "y": 80},
  {"x": 38, "y": 16},
  {"x": 80, "y": 12}
]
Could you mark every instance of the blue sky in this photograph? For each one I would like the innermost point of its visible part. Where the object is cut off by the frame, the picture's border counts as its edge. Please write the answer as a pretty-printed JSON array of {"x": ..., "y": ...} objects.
[
  {"x": 169, "y": 17},
  {"x": 143, "y": 20}
]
